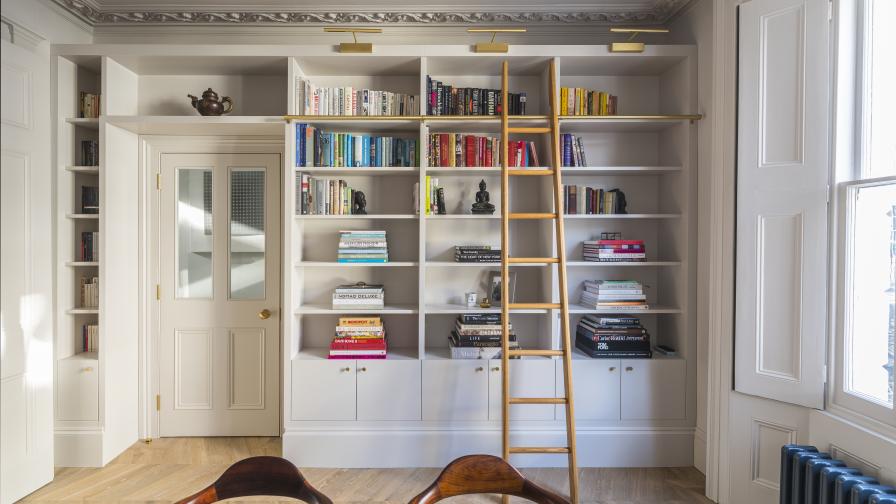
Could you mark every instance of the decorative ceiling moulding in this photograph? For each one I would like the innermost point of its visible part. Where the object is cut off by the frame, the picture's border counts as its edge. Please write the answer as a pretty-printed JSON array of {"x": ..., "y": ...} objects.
[{"x": 661, "y": 12}]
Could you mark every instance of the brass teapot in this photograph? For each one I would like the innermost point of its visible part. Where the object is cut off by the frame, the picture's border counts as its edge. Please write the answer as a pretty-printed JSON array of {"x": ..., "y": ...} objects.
[{"x": 209, "y": 104}]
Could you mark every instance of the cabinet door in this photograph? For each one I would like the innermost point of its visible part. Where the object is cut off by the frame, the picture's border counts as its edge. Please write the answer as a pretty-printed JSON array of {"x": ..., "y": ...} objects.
[
  {"x": 455, "y": 390},
  {"x": 595, "y": 389},
  {"x": 653, "y": 389},
  {"x": 528, "y": 378},
  {"x": 323, "y": 389},
  {"x": 78, "y": 396},
  {"x": 388, "y": 390}
]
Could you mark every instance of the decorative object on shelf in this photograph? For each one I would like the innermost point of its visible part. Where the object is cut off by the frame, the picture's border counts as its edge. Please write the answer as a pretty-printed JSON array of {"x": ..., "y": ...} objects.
[
  {"x": 359, "y": 203},
  {"x": 482, "y": 205},
  {"x": 470, "y": 298},
  {"x": 613, "y": 337},
  {"x": 611, "y": 235},
  {"x": 494, "y": 287},
  {"x": 619, "y": 203},
  {"x": 632, "y": 47},
  {"x": 354, "y": 47},
  {"x": 492, "y": 46},
  {"x": 485, "y": 303},
  {"x": 209, "y": 105},
  {"x": 440, "y": 201}
]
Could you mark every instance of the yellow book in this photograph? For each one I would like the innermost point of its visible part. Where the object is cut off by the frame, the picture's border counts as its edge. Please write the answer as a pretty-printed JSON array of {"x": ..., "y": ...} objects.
[
  {"x": 428, "y": 193},
  {"x": 564, "y": 93},
  {"x": 451, "y": 151},
  {"x": 603, "y": 103}
]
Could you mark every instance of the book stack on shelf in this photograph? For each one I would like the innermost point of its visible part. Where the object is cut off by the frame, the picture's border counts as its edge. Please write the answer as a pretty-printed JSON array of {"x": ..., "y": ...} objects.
[
  {"x": 90, "y": 246},
  {"x": 323, "y": 196},
  {"x": 90, "y": 337},
  {"x": 583, "y": 200},
  {"x": 88, "y": 105},
  {"x": 359, "y": 296},
  {"x": 359, "y": 338},
  {"x": 449, "y": 100},
  {"x": 614, "y": 251},
  {"x": 362, "y": 247},
  {"x": 478, "y": 336},
  {"x": 90, "y": 199},
  {"x": 449, "y": 150},
  {"x": 618, "y": 295},
  {"x": 90, "y": 153},
  {"x": 353, "y": 150},
  {"x": 613, "y": 338},
  {"x": 476, "y": 254},
  {"x": 350, "y": 101},
  {"x": 90, "y": 292},
  {"x": 573, "y": 150},
  {"x": 584, "y": 102},
  {"x": 434, "y": 197}
]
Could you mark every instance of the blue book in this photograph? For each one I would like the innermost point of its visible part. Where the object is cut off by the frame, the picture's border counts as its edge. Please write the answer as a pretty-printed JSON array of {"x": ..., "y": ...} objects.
[
  {"x": 363, "y": 260},
  {"x": 298, "y": 147}
]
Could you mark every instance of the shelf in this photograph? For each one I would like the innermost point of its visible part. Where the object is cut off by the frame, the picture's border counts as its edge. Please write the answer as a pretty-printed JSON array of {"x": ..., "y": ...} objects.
[
  {"x": 622, "y": 216},
  {"x": 463, "y": 170},
  {"x": 83, "y": 216},
  {"x": 347, "y": 172},
  {"x": 82, "y": 264},
  {"x": 620, "y": 170},
  {"x": 83, "y": 311},
  {"x": 654, "y": 309},
  {"x": 313, "y": 309},
  {"x": 84, "y": 122},
  {"x": 361, "y": 123},
  {"x": 462, "y": 216},
  {"x": 579, "y": 355},
  {"x": 336, "y": 264},
  {"x": 639, "y": 123},
  {"x": 455, "y": 264},
  {"x": 489, "y": 124},
  {"x": 435, "y": 309},
  {"x": 357, "y": 217},
  {"x": 82, "y": 356},
  {"x": 200, "y": 125},
  {"x": 322, "y": 353},
  {"x": 89, "y": 170},
  {"x": 643, "y": 264}
]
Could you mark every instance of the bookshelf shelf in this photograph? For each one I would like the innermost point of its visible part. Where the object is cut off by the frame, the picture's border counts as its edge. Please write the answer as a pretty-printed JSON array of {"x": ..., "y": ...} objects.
[
  {"x": 83, "y": 216},
  {"x": 322, "y": 353},
  {"x": 357, "y": 217},
  {"x": 335, "y": 264},
  {"x": 313, "y": 309},
  {"x": 642, "y": 264},
  {"x": 88, "y": 170},
  {"x": 621, "y": 124},
  {"x": 463, "y": 216},
  {"x": 349, "y": 172},
  {"x": 84, "y": 122},
  {"x": 83, "y": 311},
  {"x": 579, "y": 355},
  {"x": 83, "y": 356},
  {"x": 619, "y": 170},
  {"x": 654, "y": 309},
  {"x": 458, "y": 309},
  {"x": 454, "y": 264},
  {"x": 463, "y": 171},
  {"x": 623, "y": 216},
  {"x": 82, "y": 264}
]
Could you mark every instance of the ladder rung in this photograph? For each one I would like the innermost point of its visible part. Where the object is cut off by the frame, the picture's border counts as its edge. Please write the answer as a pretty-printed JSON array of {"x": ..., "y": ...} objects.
[
  {"x": 528, "y": 129},
  {"x": 539, "y": 260},
  {"x": 532, "y": 215},
  {"x": 534, "y": 306},
  {"x": 529, "y": 171},
  {"x": 537, "y": 400},
  {"x": 539, "y": 449},
  {"x": 535, "y": 353}
]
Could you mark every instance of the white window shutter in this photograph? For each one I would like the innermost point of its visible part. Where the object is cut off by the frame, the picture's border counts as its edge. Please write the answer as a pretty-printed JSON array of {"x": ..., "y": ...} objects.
[{"x": 783, "y": 173}]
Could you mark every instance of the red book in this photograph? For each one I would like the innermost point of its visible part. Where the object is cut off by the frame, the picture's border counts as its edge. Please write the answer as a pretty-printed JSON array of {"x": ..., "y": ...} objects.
[
  {"x": 511, "y": 152},
  {"x": 470, "y": 150},
  {"x": 619, "y": 242},
  {"x": 356, "y": 357},
  {"x": 480, "y": 158},
  {"x": 443, "y": 150},
  {"x": 359, "y": 341}
]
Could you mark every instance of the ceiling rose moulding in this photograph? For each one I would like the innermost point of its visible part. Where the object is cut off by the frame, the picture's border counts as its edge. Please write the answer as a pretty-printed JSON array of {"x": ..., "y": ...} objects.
[{"x": 661, "y": 12}]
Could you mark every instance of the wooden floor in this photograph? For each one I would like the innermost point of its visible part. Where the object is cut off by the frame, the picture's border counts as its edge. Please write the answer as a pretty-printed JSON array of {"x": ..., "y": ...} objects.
[{"x": 172, "y": 468}]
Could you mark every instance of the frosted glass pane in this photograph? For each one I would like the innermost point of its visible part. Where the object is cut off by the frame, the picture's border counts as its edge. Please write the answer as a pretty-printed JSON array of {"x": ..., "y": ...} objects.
[
  {"x": 247, "y": 233},
  {"x": 194, "y": 233}
]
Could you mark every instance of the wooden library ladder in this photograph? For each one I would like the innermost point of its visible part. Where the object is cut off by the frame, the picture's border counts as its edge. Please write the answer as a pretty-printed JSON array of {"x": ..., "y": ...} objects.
[{"x": 553, "y": 129}]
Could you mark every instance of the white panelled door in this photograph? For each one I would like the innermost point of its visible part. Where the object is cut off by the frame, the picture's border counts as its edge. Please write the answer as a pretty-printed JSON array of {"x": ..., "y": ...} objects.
[{"x": 220, "y": 295}]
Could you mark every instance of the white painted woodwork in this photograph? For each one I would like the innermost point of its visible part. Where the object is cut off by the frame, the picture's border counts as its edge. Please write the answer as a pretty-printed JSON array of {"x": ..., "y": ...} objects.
[
  {"x": 597, "y": 386},
  {"x": 389, "y": 390},
  {"x": 219, "y": 361},
  {"x": 26, "y": 268},
  {"x": 782, "y": 189},
  {"x": 325, "y": 389},
  {"x": 528, "y": 378},
  {"x": 78, "y": 398},
  {"x": 663, "y": 378},
  {"x": 455, "y": 390}
]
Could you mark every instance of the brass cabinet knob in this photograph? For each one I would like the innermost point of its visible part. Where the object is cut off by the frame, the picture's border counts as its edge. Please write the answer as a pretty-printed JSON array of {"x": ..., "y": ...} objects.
[
  {"x": 345, "y": 369},
  {"x": 629, "y": 368},
  {"x": 264, "y": 314},
  {"x": 496, "y": 368},
  {"x": 480, "y": 368},
  {"x": 363, "y": 369},
  {"x": 612, "y": 368},
  {"x": 88, "y": 369}
]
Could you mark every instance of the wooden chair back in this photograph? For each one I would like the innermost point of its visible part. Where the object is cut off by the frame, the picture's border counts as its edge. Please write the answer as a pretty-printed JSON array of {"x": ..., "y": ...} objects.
[
  {"x": 484, "y": 474},
  {"x": 259, "y": 476}
]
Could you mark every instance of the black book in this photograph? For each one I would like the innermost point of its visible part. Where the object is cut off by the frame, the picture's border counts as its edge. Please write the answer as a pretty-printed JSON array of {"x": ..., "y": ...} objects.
[
  {"x": 90, "y": 200},
  {"x": 598, "y": 354},
  {"x": 613, "y": 346},
  {"x": 480, "y": 318}
]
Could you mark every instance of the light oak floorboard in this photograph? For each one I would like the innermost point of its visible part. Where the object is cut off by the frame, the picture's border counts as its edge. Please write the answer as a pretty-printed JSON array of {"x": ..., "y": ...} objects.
[{"x": 171, "y": 468}]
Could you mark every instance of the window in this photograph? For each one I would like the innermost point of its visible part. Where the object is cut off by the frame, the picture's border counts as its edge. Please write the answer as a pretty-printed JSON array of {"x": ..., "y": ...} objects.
[{"x": 867, "y": 227}]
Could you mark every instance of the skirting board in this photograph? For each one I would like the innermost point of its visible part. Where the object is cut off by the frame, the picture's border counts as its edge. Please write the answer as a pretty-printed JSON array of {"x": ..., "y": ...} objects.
[
  {"x": 605, "y": 448},
  {"x": 78, "y": 448}
]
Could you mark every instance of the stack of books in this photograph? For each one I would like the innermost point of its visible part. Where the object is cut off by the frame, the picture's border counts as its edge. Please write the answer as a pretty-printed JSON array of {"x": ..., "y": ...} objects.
[
  {"x": 616, "y": 295},
  {"x": 359, "y": 338},
  {"x": 88, "y": 105},
  {"x": 350, "y": 101},
  {"x": 359, "y": 296},
  {"x": 434, "y": 197},
  {"x": 614, "y": 251},
  {"x": 581, "y": 101},
  {"x": 593, "y": 200},
  {"x": 363, "y": 246},
  {"x": 522, "y": 153},
  {"x": 90, "y": 199},
  {"x": 448, "y": 150},
  {"x": 90, "y": 153},
  {"x": 90, "y": 246},
  {"x": 340, "y": 150},
  {"x": 573, "y": 150},
  {"x": 443, "y": 99},
  {"x": 613, "y": 337},
  {"x": 90, "y": 337},
  {"x": 476, "y": 254},
  {"x": 323, "y": 196},
  {"x": 478, "y": 336},
  {"x": 90, "y": 292}
]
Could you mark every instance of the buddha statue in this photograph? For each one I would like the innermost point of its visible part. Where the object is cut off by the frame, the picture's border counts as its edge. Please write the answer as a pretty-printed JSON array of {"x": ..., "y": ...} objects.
[{"x": 482, "y": 205}]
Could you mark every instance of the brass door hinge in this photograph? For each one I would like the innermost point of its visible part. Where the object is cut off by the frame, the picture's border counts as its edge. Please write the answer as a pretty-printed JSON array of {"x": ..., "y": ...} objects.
[
  {"x": 158, "y": 181},
  {"x": 158, "y": 292},
  {"x": 158, "y": 402}
]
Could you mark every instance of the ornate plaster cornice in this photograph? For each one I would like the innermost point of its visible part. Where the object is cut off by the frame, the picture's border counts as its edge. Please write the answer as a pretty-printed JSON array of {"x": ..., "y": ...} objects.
[{"x": 91, "y": 12}]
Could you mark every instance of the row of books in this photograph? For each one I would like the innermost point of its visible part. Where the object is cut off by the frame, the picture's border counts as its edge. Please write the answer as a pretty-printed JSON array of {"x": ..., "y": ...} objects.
[
  {"x": 573, "y": 150},
  {"x": 89, "y": 292},
  {"x": 461, "y": 150},
  {"x": 88, "y": 104},
  {"x": 90, "y": 337},
  {"x": 350, "y": 101},
  {"x": 613, "y": 337},
  {"x": 450, "y": 100},
  {"x": 434, "y": 197},
  {"x": 90, "y": 153},
  {"x": 90, "y": 246},
  {"x": 618, "y": 295},
  {"x": 614, "y": 251},
  {"x": 90, "y": 199},
  {"x": 364, "y": 246},
  {"x": 478, "y": 336},
  {"x": 323, "y": 196},
  {"x": 581, "y": 101},
  {"x": 578, "y": 199},
  {"x": 476, "y": 254},
  {"x": 324, "y": 149},
  {"x": 360, "y": 296},
  {"x": 359, "y": 338}
]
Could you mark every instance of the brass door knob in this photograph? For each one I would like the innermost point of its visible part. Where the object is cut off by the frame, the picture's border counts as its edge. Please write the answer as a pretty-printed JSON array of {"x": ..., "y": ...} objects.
[{"x": 264, "y": 314}]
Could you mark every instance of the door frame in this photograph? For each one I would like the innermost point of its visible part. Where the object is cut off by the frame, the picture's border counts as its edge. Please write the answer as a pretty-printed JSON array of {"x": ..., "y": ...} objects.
[{"x": 151, "y": 149}]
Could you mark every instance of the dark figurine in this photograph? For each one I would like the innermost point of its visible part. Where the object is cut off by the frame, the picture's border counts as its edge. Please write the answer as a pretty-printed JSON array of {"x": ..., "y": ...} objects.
[
  {"x": 440, "y": 201},
  {"x": 359, "y": 203},
  {"x": 209, "y": 105},
  {"x": 482, "y": 206},
  {"x": 621, "y": 204}
]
